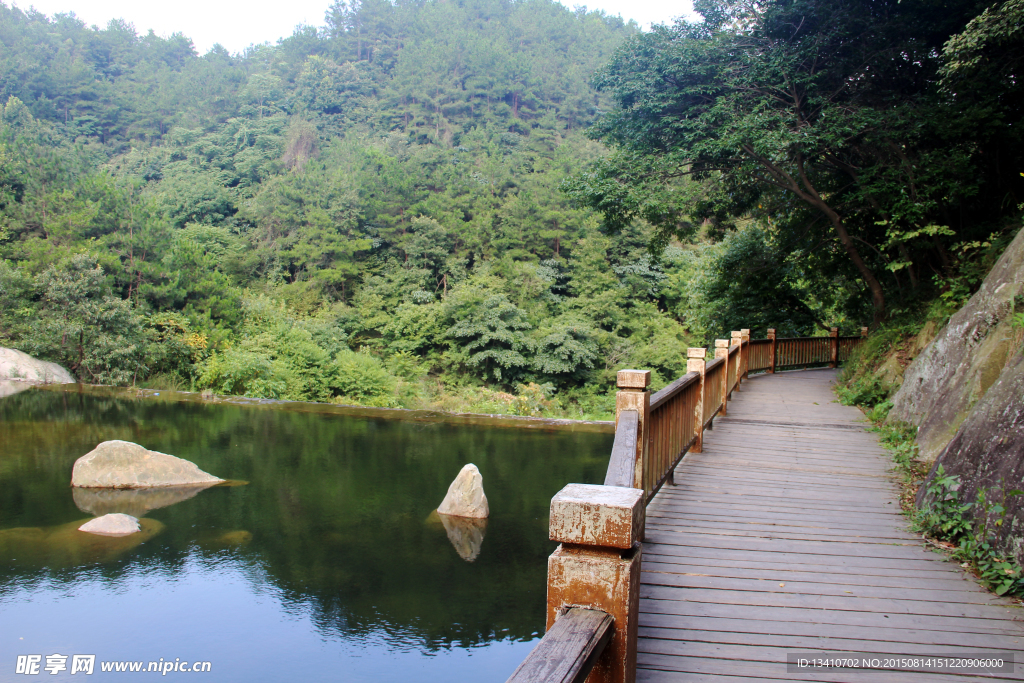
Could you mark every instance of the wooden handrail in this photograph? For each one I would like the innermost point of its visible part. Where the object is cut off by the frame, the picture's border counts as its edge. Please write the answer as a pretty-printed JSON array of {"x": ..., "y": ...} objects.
[
  {"x": 622, "y": 463},
  {"x": 712, "y": 364},
  {"x": 660, "y": 398},
  {"x": 569, "y": 650}
]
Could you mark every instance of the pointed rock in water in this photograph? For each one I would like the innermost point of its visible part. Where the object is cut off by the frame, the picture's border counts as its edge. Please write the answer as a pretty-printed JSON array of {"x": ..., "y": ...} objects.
[
  {"x": 466, "y": 495},
  {"x": 127, "y": 465},
  {"x": 112, "y": 525}
]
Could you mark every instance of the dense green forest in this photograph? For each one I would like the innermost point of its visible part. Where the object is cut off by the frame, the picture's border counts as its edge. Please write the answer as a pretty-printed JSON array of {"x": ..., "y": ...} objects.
[{"x": 493, "y": 205}]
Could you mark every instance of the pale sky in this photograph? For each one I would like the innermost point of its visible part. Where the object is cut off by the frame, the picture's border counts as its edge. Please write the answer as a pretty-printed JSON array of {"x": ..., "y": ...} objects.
[{"x": 236, "y": 24}]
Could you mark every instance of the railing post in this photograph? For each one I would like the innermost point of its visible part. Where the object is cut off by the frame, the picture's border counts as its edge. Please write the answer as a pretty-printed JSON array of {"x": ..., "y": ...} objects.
[
  {"x": 695, "y": 362},
  {"x": 737, "y": 340},
  {"x": 633, "y": 395},
  {"x": 597, "y": 566},
  {"x": 722, "y": 351},
  {"x": 771, "y": 351},
  {"x": 746, "y": 354},
  {"x": 834, "y": 360}
]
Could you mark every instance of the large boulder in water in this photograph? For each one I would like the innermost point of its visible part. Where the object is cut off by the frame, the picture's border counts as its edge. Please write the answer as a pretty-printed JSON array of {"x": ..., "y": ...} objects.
[
  {"x": 466, "y": 495},
  {"x": 15, "y": 365},
  {"x": 954, "y": 372},
  {"x": 126, "y": 465}
]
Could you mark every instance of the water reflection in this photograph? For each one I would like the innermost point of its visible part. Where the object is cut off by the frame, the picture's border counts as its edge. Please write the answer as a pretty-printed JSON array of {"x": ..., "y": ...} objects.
[
  {"x": 465, "y": 533},
  {"x": 134, "y": 502},
  {"x": 328, "y": 538},
  {"x": 62, "y": 546}
]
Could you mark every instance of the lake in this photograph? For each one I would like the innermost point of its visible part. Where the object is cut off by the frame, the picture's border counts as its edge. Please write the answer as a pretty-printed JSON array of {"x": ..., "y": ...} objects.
[{"x": 326, "y": 566}]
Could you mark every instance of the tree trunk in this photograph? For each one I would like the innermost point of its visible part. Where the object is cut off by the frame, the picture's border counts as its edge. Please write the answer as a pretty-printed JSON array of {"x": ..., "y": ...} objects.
[{"x": 877, "y": 294}]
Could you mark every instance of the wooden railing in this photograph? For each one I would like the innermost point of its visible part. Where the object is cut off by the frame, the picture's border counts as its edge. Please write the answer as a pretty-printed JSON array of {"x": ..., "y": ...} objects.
[{"x": 593, "y": 593}]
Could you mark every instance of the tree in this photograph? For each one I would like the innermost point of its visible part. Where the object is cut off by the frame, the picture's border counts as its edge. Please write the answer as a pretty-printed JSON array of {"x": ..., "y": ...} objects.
[
  {"x": 828, "y": 113},
  {"x": 97, "y": 336},
  {"x": 490, "y": 337}
]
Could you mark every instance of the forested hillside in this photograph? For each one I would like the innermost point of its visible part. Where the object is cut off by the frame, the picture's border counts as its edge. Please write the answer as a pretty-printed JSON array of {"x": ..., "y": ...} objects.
[{"x": 397, "y": 208}]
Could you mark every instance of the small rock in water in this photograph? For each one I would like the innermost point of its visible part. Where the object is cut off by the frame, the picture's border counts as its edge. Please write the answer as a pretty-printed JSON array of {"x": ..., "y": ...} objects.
[
  {"x": 115, "y": 524},
  {"x": 127, "y": 465},
  {"x": 466, "y": 495}
]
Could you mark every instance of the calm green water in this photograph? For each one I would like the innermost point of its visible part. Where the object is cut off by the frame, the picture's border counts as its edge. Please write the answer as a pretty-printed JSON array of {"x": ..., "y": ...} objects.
[{"x": 326, "y": 566}]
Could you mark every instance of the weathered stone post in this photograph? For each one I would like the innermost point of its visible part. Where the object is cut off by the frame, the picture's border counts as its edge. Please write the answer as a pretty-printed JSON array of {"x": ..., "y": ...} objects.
[
  {"x": 722, "y": 351},
  {"x": 771, "y": 352},
  {"x": 633, "y": 395},
  {"x": 597, "y": 566},
  {"x": 695, "y": 363},
  {"x": 834, "y": 351},
  {"x": 737, "y": 340},
  {"x": 746, "y": 354}
]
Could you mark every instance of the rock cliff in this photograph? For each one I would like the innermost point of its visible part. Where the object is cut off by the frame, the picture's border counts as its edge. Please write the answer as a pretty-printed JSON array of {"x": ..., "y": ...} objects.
[
  {"x": 987, "y": 454},
  {"x": 953, "y": 373}
]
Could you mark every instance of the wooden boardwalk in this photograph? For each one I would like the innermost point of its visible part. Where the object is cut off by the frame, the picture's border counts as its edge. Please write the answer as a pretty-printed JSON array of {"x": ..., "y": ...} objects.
[{"x": 785, "y": 536}]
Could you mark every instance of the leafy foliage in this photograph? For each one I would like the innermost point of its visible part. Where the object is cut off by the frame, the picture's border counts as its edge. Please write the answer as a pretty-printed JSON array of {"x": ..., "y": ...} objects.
[{"x": 825, "y": 120}]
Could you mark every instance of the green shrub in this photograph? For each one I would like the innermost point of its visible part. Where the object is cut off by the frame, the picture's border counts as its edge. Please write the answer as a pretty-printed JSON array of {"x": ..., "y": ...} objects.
[{"x": 362, "y": 378}]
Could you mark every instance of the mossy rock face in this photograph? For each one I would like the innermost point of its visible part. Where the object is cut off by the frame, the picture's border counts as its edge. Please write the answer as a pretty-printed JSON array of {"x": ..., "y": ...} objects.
[
  {"x": 955, "y": 370},
  {"x": 987, "y": 454},
  {"x": 63, "y": 546}
]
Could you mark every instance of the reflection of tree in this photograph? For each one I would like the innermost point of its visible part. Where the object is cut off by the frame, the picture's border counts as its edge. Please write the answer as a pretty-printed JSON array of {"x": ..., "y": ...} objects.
[{"x": 337, "y": 507}]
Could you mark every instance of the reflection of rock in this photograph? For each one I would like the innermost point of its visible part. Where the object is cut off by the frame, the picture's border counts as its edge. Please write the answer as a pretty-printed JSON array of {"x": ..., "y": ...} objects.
[
  {"x": 134, "y": 502},
  {"x": 21, "y": 366},
  {"x": 466, "y": 534},
  {"x": 466, "y": 495},
  {"x": 126, "y": 465},
  {"x": 10, "y": 388},
  {"x": 116, "y": 524},
  {"x": 66, "y": 546},
  {"x": 230, "y": 538}
]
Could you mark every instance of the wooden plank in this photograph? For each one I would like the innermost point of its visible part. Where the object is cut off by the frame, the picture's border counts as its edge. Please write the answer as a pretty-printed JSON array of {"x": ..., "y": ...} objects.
[
  {"x": 754, "y": 629},
  {"x": 834, "y": 562},
  {"x": 776, "y": 532},
  {"x": 622, "y": 464},
  {"x": 787, "y": 529},
  {"x": 764, "y": 503},
  {"x": 919, "y": 590},
  {"x": 814, "y": 615},
  {"x": 727, "y": 517},
  {"x": 791, "y": 473},
  {"x": 850, "y": 603},
  {"x": 569, "y": 649},
  {"x": 895, "y": 645},
  {"x": 821, "y": 549},
  {"x": 954, "y": 582}
]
